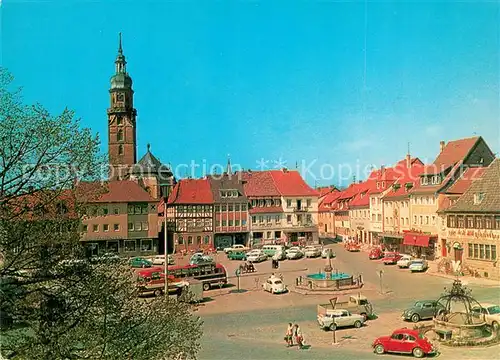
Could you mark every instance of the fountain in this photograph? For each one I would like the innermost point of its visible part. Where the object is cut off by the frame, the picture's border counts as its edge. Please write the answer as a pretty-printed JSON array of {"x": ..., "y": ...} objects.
[
  {"x": 328, "y": 280},
  {"x": 459, "y": 321}
]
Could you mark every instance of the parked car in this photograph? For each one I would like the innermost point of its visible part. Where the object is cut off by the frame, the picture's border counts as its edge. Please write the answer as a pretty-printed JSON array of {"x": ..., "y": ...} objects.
[
  {"x": 256, "y": 256},
  {"x": 160, "y": 260},
  {"x": 375, "y": 254},
  {"x": 200, "y": 258},
  {"x": 356, "y": 304},
  {"x": 274, "y": 285},
  {"x": 139, "y": 262},
  {"x": 405, "y": 261},
  {"x": 491, "y": 314},
  {"x": 237, "y": 255},
  {"x": 423, "y": 309},
  {"x": 334, "y": 319},
  {"x": 404, "y": 341},
  {"x": 353, "y": 247},
  {"x": 391, "y": 258},
  {"x": 326, "y": 251},
  {"x": 312, "y": 251},
  {"x": 105, "y": 258},
  {"x": 418, "y": 265},
  {"x": 236, "y": 247},
  {"x": 294, "y": 253}
]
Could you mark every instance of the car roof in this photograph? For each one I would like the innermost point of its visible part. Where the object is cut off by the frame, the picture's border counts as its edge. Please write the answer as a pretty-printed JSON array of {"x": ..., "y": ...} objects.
[{"x": 425, "y": 301}]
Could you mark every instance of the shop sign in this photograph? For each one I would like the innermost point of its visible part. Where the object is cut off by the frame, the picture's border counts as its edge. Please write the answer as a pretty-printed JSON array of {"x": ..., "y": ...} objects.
[{"x": 471, "y": 233}]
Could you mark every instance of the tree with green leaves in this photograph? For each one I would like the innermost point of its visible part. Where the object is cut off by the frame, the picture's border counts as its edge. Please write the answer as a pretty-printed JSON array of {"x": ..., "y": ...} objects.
[{"x": 54, "y": 304}]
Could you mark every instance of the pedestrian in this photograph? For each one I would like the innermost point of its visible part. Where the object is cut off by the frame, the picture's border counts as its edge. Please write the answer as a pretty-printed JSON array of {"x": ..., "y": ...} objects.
[
  {"x": 298, "y": 336},
  {"x": 289, "y": 335}
]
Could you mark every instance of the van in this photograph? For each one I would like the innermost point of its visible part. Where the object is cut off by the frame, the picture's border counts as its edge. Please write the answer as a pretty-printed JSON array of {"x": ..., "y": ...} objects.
[{"x": 270, "y": 250}]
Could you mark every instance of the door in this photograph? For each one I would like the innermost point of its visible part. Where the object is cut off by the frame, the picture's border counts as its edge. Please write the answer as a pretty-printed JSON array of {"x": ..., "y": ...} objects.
[
  {"x": 443, "y": 248},
  {"x": 458, "y": 252},
  {"x": 427, "y": 310}
]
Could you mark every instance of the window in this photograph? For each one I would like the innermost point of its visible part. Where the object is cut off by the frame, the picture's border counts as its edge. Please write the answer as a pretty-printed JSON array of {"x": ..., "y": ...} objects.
[
  {"x": 289, "y": 203},
  {"x": 309, "y": 218},
  {"x": 481, "y": 251},
  {"x": 470, "y": 222},
  {"x": 129, "y": 245},
  {"x": 85, "y": 228},
  {"x": 130, "y": 209},
  {"x": 224, "y": 208},
  {"x": 261, "y": 202},
  {"x": 309, "y": 202},
  {"x": 289, "y": 219},
  {"x": 487, "y": 252},
  {"x": 379, "y": 217},
  {"x": 217, "y": 208},
  {"x": 198, "y": 240},
  {"x": 236, "y": 207},
  {"x": 268, "y": 235},
  {"x": 243, "y": 222},
  {"x": 95, "y": 228},
  {"x": 277, "y": 219},
  {"x": 243, "y": 207},
  {"x": 206, "y": 240},
  {"x": 427, "y": 220},
  {"x": 146, "y": 245},
  {"x": 277, "y": 202},
  {"x": 217, "y": 222},
  {"x": 476, "y": 251},
  {"x": 299, "y": 218},
  {"x": 116, "y": 211},
  {"x": 493, "y": 252},
  {"x": 373, "y": 218},
  {"x": 120, "y": 149},
  {"x": 269, "y": 202},
  {"x": 145, "y": 226},
  {"x": 130, "y": 226},
  {"x": 488, "y": 222},
  {"x": 254, "y": 219},
  {"x": 180, "y": 240},
  {"x": 237, "y": 222},
  {"x": 261, "y": 219},
  {"x": 224, "y": 222},
  {"x": 268, "y": 219},
  {"x": 138, "y": 226},
  {"x": 230, "y": 207},
  {"x": 116, "y": 227},
  {"x": 105, "y": 227},
  {"x": 190, "y": 240},
  {"x": 254, "y": 203},
  {"x": 119, "y": 135},
  {"x": 497, "y": 223},
  {"x": 421, "y": 220},
  {"x": 451, "y": 221},
  {"x": 478, "y": 198},
  {"x": 230, "y": 222},
  {"x": 470, "y": 253}
]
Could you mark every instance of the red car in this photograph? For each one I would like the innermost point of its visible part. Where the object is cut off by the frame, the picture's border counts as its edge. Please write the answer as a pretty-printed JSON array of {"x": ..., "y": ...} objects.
[
  {"x": 375, "y": 254},
  {"x": 353, "y": 247},
  {"x": 404, "y": 341},
  {"x": 391, "y": 258}
]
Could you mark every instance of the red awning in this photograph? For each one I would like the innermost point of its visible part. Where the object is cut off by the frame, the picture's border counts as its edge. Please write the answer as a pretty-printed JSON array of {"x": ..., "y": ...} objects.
[
  {"x": 409, "y": 239},
  {"x": 422, "y": 240}
]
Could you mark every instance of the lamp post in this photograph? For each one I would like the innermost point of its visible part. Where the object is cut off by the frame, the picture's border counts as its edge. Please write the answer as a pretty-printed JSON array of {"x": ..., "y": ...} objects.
[{"x": 166, "y": 249}]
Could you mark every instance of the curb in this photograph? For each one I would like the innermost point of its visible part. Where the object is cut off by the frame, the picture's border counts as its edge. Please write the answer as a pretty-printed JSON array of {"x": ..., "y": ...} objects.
[{"x": 461, "y": 278}]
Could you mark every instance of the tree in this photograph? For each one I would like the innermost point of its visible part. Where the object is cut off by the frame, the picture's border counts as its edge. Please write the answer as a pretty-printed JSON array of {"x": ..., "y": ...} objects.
[{"x": 54, "y": 303}]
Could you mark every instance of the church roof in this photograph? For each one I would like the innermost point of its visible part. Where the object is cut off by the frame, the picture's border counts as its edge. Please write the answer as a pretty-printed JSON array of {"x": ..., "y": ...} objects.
[{"x": 150, "y": 165}]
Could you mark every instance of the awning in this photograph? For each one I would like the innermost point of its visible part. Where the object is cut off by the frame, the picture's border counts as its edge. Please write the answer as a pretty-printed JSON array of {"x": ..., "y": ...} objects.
[
  {"x": 409, "y": 239},
  {"x": 416, "y": 240}
]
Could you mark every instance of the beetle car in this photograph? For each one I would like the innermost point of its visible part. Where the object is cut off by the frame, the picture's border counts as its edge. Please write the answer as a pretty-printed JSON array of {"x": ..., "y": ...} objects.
[
  {"x": 139, "y": 262},
  {"x": 391, "y": 258},
  {"x": 256, "y": 256},
  {"x": 274, "y": 285},
  {"x": 375, "y": 254},
  {"x": 421, "y": 310},
  {"x": 404, "y": 341},
  {"x": 237, "y": 255}
]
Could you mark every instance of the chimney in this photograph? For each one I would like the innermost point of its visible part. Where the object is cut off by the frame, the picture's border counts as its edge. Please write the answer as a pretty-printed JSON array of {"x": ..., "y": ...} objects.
[
  {"x": 441, "y": 146},
  {"x": 382, "y": 169},
  {"x": 408, "y": 160}
]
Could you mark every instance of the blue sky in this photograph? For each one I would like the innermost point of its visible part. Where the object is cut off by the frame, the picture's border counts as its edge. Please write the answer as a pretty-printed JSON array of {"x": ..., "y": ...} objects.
[{"x": 337, "y": 83}]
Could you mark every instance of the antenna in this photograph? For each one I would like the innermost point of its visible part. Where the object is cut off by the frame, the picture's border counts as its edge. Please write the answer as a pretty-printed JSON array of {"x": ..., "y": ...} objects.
[{"x": 408, "y": 148}]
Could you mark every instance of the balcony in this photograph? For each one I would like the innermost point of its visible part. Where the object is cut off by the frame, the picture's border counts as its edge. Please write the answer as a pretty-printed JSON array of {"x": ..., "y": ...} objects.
[{"x": 300, "y": 209}]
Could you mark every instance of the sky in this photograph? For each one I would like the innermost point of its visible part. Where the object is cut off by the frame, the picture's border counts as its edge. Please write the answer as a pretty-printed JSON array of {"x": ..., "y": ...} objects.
[{"x": 333, "y": 86}]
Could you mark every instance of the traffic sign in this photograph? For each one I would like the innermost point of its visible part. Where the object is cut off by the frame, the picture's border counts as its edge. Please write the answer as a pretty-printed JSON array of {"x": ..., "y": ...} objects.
[{"x": 238, "y": 272}]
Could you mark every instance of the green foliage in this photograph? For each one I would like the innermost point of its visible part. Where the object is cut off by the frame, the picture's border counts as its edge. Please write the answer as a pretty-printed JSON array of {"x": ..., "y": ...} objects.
[{"x": 54, "y": 303}]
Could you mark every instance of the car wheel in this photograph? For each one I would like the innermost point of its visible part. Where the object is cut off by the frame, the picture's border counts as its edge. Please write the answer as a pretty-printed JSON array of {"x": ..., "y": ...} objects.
[
  {"x": 379, "y": 349},
  {"x": 333, "y": 327},
  {"x": 415, "y": 318},
  {"x": 495, "y": 326},
  {"x": 206, "y": 286},
  {"x": 157, "y": 292},
  {"x": 357, "y": 324},
  {"x": 418, "y": 352}
]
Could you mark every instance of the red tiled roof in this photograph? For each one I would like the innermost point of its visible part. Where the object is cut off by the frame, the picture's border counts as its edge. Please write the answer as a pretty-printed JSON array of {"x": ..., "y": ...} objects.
[
  {"x": 412, "y": 177},
  {"x": 266, "y": 209},
  {"x": 123, "y": 191},
  {"x": 463, "y": 183},
  {"x": 259, "y": 183},
  {"x": 329, "y": 199},
  {"x": 191, "y": 191},
  {"x": 291, "y": 183},
  {"x": 453, "y": 152},
  {"x": 323, "y": 191}
]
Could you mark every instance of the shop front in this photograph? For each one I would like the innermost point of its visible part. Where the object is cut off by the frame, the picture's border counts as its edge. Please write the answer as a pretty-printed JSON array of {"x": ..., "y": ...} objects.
[
  {"x": 392, "y": 242},
  {"x": 420, "y": 244}
]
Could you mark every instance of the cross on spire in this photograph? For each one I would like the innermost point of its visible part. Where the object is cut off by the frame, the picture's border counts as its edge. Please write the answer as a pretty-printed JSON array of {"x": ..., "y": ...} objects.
[{"x": 120, "y": 49}]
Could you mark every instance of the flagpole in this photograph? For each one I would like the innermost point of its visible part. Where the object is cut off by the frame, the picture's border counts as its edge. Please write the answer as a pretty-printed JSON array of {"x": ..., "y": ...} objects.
[{"x": 165, "y": 245}]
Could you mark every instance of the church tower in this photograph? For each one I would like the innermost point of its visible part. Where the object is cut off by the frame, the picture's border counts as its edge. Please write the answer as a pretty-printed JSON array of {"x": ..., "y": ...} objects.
[{"x": 121, "y": 120}]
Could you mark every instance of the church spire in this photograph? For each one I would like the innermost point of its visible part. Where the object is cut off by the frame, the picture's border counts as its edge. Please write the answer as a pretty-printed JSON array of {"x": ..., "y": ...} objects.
[
  {"x": 120, "y": 58},
  {"x": 229, "y": 170}
]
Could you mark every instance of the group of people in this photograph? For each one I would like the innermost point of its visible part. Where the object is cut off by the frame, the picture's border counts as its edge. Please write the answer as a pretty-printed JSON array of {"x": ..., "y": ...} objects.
[{"x": 293, "y": 336}]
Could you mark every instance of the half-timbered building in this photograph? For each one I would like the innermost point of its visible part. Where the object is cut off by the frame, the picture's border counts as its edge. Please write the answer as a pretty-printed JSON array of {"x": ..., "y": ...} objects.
[{"x": 190, "y": 209}]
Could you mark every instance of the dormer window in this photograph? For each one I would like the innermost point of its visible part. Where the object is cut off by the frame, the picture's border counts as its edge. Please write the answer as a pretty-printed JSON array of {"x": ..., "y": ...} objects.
[
  {"x": 478, "y": 198},
  {"x": 383, "y": 184},
  {"x": 378, "y": 185}
]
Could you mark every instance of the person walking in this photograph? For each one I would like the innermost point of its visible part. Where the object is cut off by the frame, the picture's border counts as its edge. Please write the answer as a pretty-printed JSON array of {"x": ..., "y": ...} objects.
[
  {"x": 298, "y": 336},
  {"x": 289, "y": 335}
]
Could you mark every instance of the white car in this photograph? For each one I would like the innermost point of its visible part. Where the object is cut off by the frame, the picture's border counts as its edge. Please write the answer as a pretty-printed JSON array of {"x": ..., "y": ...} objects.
[
  {"x": 312, "y": 251},
  {"x": 294, "y": 253},
  {"x": 491, "y": 314},
  {"x": 418, "y": 265},
  {"x": 326, "y": 251},
  {"x": 160, "y": 260},
  {"x": 236, "y": 247},
  {"x": 339, "y": 318},
  {"x": 200, "y": 258},
  {"x": 256, "y": 256},
  {"x": 405, "y": 261},
  {"x": 274, "y": 285}
]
